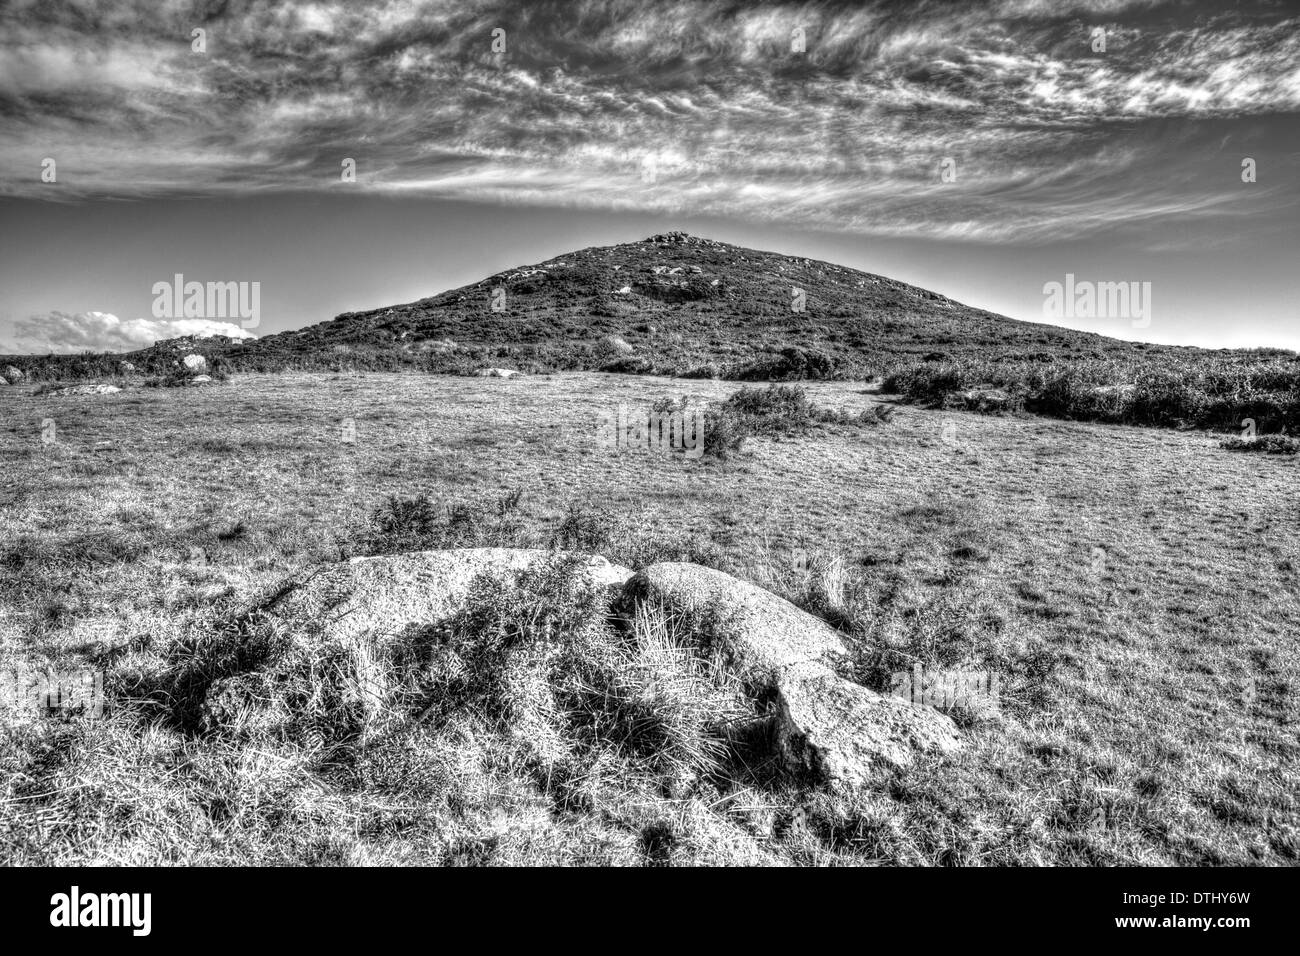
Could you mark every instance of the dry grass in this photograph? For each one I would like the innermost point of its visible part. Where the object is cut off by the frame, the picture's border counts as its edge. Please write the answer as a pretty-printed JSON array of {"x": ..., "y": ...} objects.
[{"x": 1136, "y": 589}]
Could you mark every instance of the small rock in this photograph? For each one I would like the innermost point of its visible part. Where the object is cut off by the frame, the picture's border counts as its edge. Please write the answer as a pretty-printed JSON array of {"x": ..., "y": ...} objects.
[
  {"x": 201, "y": 380},
  {"x": 613, "y": 345},
  {"x": 985, "y": 398},
  {"x": 86, "y": 390},
  {"x": 1118, "y": 392}
]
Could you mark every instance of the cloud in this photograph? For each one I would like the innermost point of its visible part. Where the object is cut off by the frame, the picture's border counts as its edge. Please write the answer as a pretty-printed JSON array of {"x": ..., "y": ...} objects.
[
  {"x": 105, "y": 332},
  {"x": 846, "y": 134}
]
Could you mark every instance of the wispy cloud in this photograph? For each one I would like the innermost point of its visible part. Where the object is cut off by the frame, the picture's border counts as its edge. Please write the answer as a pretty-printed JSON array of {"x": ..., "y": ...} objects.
[{"x": 662, "y": 106}]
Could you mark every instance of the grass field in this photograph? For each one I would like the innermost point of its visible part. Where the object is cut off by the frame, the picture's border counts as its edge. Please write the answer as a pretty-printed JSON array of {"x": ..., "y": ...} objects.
[{"x": 1138, "y": 589}]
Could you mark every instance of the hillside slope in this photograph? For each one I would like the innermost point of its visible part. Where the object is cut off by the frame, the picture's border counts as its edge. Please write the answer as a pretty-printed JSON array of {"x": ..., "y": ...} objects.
[{"x": 680, "y": 301}]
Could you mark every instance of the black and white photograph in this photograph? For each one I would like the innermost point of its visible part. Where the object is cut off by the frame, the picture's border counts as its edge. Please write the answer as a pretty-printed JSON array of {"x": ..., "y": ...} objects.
[{"x": 670, "y": 433}]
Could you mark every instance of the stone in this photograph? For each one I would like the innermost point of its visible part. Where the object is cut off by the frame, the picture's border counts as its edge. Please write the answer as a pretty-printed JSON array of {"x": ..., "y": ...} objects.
[
  {"x": 840, "y": 732},
  {"x": 385, "y": 594},
  {"x": 985, "y": 398},
  {"x": 194, "y": 362},
  {"x": 498, "y": 372},
  {"x": 12, "y": 375},
  {"x": 201, "y": 380},
  {"x": 97, "y": 389},
  {"x": 613, "y": 345},
  {"x": 1120, "y": 393}
]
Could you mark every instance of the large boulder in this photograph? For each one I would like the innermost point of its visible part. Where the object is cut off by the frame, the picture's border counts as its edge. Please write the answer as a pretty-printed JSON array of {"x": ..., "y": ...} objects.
[
  {"x": 387, "y": 594},
  {"x": 12, "y": 375},
  {"x": 758, "y": 633},
  {"x": 338, "y": 624},
  {"x": 827, "y": 727}
]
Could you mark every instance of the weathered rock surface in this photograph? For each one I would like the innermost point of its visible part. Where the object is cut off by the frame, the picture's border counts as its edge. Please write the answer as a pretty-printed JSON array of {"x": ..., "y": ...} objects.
[
  {"x": 986, "y": 398},
  {"x": 389, "y": 593},
  {"x": 839, "y": 731},
  {"x": 613, "y": 345},
  {"x": 98, "y": 389},
  {"x": 758, "y": 633}
]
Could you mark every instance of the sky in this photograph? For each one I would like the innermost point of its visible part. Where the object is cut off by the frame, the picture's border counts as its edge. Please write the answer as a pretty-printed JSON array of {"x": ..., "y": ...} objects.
[{"x": 979, "y": 150}]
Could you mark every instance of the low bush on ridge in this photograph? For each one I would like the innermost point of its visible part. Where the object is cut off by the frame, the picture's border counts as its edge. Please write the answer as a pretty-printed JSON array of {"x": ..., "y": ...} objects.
[{"x": 1209, "y": 394}]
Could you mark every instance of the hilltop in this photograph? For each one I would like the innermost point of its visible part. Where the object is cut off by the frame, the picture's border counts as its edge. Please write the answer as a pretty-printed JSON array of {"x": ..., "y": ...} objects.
[{"x": 686, "y": 305}]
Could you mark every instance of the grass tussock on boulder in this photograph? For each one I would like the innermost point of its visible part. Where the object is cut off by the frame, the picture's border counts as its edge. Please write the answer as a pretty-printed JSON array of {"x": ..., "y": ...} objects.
[{"x": 524, "y": 703}]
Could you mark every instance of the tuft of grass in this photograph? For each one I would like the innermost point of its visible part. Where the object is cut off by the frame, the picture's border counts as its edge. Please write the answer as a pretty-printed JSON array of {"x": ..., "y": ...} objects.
[{"x": 399, "y": 524}]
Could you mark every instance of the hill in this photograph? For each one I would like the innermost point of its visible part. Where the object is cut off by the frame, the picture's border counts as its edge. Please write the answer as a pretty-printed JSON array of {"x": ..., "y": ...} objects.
[{"x": 687, "y": 306}]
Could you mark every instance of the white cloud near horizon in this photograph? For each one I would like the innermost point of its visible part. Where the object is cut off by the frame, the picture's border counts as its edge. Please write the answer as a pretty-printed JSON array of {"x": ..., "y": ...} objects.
[{"x": 69, "y": 333}]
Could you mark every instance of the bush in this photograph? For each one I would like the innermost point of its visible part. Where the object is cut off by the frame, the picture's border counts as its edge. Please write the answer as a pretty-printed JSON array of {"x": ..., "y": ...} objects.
[
  {"x": 1199, "y": 392},
  {"x": 1268, "y": 444},
  {"x": 792, "y": 364},
  {"x": 787, "y": 410}
]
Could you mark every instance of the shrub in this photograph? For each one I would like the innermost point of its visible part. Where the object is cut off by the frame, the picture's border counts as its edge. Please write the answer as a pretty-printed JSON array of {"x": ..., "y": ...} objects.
[
  {"x": 1198, "y": 392},
  {"x": 584, "y": 528},
  {"x": 724, "y": 434},
  {"x": 418, "y": 524},
  {"x": 1268, "y": 444},
  {"x": 791, "y": 364}
]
